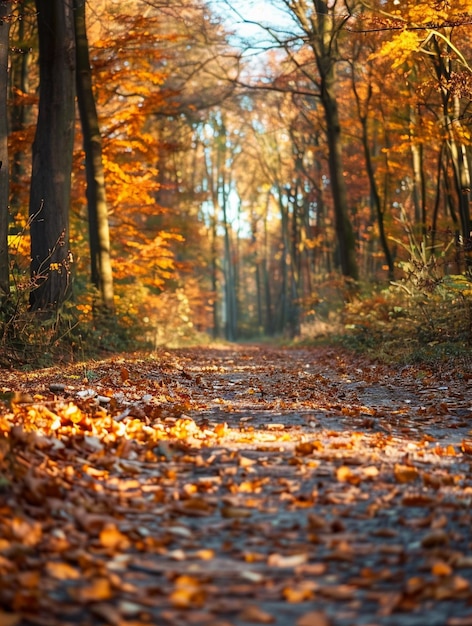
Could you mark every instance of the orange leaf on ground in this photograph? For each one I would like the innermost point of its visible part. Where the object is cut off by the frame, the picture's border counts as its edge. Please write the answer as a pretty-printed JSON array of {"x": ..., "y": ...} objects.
[
  {"x": 405, "y": 473},
  {"x": 62, "y": 571},
  {"x": 98, "y": 590},
  {"x": 111, "y": 537}
]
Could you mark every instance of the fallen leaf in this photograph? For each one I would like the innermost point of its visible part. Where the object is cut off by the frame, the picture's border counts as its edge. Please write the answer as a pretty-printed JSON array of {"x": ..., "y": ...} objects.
[
  {"x": 466, "y": 446},
  {"x": 440, "y": 568},
  {"x": 292, "y": 560},
  {"x": 235, "y": 512},
  {"x": 28, "y": 532},
  {"x": 98, "y": 590},
  {"x": 62, "y": 571},
  {"x": 112, "y": 538},
  {"x": 313, "y": 618},
  {"x": 405, "y": 473},
  {"x": 9, "y": 619},
  {"x": 188, "y": 593},
  {"x": 255, "y": 614},
  {"x": 308, "y": 447}
]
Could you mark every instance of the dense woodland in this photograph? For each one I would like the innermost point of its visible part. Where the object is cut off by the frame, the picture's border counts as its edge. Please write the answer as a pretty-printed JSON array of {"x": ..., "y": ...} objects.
[{"x": 170, "y": 169}]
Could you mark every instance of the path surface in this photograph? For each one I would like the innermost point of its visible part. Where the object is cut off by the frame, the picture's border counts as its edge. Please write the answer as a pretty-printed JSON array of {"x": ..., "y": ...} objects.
[{"x": 236, "y": 486}]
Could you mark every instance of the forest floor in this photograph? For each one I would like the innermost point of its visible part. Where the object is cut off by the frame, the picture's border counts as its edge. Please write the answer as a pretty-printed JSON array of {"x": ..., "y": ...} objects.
[{"x": 234, "y": 486}]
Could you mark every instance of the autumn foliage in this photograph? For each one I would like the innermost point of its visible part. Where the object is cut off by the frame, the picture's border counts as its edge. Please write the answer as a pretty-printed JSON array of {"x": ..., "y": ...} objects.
[{"x": 219, "y": 171}]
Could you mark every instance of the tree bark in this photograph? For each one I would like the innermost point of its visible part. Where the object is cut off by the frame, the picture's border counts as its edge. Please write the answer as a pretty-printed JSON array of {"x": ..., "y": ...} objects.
[
  {"x": 5, "y": 10},
  {"x": 99, "y": 235},
  {"x": 52, "y": 156}
]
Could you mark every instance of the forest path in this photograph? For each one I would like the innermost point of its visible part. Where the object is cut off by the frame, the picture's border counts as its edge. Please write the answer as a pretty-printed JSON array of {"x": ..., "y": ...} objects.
[{"x": 238, "y": 485}]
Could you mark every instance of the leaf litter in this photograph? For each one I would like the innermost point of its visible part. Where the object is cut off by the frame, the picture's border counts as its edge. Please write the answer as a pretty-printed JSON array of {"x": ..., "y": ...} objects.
[{"x": 242, "y": 485}]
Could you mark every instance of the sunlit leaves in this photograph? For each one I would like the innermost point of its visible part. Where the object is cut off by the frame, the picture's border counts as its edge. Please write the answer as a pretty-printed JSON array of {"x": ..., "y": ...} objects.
[{"x": 163, "y": 487}]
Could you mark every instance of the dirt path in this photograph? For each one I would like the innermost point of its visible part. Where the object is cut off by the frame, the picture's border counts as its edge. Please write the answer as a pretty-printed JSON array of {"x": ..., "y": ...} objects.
[{"x": 236, "y": 486}]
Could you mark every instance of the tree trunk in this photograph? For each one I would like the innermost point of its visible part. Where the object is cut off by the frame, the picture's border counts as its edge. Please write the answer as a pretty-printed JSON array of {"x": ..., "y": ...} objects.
[
  {"x": 52, "y": 156},
  {"x": 5, "y": 10},
  {"x": 376, "y": 200},
  {"x": 344, "y": 232},
  {"x": 99, "y": 235},
  {"x": 322, "y": 25},
  {"x": 20, "y": 113}
]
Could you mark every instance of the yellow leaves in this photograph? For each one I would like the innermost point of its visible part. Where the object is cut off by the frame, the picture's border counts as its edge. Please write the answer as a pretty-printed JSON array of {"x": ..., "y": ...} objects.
[
  {"x": 346, "y": 474},
  {"x": 400, "y": 47}
]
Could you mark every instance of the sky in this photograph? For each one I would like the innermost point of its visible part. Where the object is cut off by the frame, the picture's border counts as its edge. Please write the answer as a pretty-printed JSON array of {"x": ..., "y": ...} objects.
[{"x": 236, "y": 11}]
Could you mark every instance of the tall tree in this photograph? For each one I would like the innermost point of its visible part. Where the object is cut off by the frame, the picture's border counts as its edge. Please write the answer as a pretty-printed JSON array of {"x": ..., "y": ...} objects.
[
  {"x": 52, "y": 156},
  {"x": 322, "y": 25},
  {"x": 99, "y": 236},
  {"x": 5, "y": 13}
]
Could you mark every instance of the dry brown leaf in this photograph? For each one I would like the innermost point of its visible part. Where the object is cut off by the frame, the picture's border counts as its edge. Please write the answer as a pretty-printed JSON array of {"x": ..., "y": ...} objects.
[
  {"x": 235, "y": 512},
  {"x": 460, "y": 621},
  {"x": 29, "y": 580},
  {"x": 338, "y": 592},
  {"x": 255, "y": 614},
  {"x": 405, "y": 473},
  {"x": 313, "y": 618},
  {"x": 9, "y": 619}
]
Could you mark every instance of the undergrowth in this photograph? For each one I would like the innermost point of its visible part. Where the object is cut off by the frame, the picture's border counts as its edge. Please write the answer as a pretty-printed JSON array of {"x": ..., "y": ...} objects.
[{"x": 425, "y": 317}]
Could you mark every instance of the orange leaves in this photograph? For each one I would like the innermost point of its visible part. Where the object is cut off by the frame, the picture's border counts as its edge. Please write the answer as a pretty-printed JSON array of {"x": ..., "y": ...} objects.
[
  {"x": 96, "y": 590},
  {"x": 405, "y": 473},
  {"x": 466, "y": 446},
  {"x": 61, "y": 570},
  {"x": 26, "y": 532},
  {"x": 188, "y": 593},
  {"x": 112, "y": 539},
  {"x": 308, "y": 447}
]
